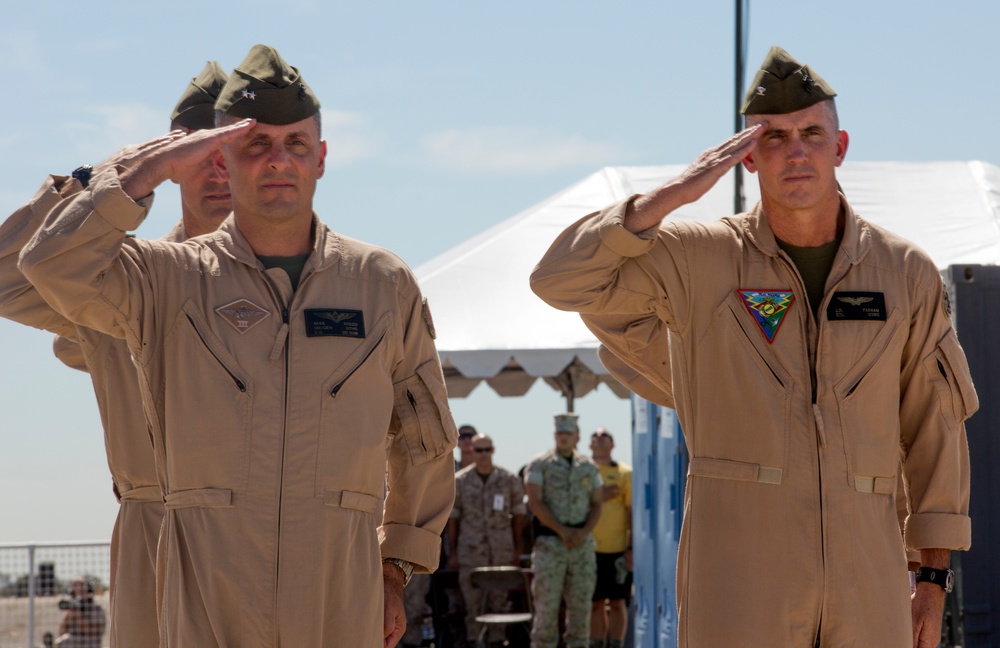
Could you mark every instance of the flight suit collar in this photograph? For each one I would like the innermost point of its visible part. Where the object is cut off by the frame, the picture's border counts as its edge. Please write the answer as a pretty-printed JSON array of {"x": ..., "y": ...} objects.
[
  {"x": 324, "y": 254},
  {"x": 855, "y": 243}
]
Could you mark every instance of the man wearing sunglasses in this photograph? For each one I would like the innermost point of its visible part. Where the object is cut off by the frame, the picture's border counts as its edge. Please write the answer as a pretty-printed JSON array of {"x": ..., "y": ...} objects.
[{"x": 485, "y": 528}]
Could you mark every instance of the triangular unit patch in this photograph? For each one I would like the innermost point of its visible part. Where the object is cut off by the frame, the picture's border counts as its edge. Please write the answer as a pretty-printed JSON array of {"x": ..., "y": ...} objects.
[{"x": 768, "y": 308}]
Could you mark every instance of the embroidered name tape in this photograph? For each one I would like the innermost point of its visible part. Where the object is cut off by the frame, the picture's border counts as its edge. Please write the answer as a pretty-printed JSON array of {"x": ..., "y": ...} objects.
[
  {"x": 337, "y": 322},
  {"x": 845, "y": 306}
]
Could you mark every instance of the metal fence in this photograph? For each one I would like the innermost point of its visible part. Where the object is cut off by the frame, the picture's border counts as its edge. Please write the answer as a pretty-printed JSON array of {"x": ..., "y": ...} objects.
[{"x": 34, "y": 587}]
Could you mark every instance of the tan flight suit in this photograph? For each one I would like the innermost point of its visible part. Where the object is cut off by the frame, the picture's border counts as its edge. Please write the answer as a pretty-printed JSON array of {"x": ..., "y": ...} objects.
[
  {"x": 126, "y": 439},
  {"x": 273, "y": 416},
  {"x": 790, "y": 521}
]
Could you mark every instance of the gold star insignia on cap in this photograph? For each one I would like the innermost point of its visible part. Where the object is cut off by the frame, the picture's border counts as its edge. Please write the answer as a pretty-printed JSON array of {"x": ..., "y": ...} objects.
[
  {"x": 761, "y": 90},
  {"x": 249, "y": 94}
]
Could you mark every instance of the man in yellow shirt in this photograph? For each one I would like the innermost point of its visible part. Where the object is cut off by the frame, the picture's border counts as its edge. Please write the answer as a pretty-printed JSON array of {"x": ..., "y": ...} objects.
[{"x": 613, "y": 535}]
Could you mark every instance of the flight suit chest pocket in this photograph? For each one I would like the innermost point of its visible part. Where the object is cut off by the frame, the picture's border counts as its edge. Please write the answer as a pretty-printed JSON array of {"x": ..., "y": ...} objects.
[
  {"x": 737, "y": 363},
  {"x": 355, "y": 402},
  {"x": 426, "y": 425},
  {"x": 207, "y": 405},
  {"x": 868, "y": 397}
]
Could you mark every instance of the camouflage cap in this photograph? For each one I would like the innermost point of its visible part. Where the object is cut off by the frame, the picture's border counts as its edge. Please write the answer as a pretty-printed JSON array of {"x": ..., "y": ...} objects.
[
  {"x": 196, "y": 108},
  {"x": 567, "y": 423},
  {"x": 783, "y": 85},
  {"x": 267, "y": 89}
]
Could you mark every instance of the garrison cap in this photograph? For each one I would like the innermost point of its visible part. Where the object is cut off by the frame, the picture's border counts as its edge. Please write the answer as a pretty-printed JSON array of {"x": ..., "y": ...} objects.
[
  {"x": 196, "y": 108},
  {"x": 567, "y": 423},
  {"x": 783, "y": 85},
  {"x": 266, "y": 88}
]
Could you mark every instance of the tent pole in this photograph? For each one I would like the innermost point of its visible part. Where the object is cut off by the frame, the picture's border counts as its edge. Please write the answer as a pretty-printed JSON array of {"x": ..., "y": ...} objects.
[{"x": 738, "y": 203}]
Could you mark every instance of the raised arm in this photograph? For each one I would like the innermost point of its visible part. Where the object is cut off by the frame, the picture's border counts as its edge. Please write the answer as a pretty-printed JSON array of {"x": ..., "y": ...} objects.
[
  {"x": 75, "y": 259},
  {"x": 586, "y": 270},
  {"x": 19, "y": 301}
]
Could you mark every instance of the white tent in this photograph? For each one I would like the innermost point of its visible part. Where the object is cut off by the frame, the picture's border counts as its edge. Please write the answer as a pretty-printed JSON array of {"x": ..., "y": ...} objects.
[{"x": 492, "y": 327}]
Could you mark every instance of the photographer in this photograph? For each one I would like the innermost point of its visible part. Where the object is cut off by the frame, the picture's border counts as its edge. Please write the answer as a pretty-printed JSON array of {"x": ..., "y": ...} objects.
[{"x": 84, "y": 623}]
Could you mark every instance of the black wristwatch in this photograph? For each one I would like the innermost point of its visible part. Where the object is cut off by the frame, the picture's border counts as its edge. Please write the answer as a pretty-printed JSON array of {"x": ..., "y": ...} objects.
[
  {"x": 945, "y": 578},
  {"x": 83, "y": 173}
]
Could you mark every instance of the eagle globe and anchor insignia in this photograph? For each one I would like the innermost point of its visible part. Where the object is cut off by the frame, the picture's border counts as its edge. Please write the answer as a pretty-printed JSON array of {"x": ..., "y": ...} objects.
[{"x": 768, "y": 308}]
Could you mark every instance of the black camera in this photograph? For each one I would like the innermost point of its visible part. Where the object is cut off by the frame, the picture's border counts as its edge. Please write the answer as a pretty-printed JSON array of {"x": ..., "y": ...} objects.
[{"x": 72, "y": 604}]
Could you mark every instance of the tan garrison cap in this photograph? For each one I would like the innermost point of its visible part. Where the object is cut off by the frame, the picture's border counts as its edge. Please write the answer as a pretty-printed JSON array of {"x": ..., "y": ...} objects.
[
  {"x": 196, "y": 108},
  {"x": 783, "y": 85},
  {"x": 567, "y": 423},
  {"x": 267, "y": 89}
]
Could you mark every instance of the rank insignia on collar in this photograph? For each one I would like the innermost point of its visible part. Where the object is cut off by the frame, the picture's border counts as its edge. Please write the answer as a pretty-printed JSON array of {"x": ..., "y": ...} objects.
[
  {"x": 768, "y": 308},
  {"x": 242, "y": 314}
]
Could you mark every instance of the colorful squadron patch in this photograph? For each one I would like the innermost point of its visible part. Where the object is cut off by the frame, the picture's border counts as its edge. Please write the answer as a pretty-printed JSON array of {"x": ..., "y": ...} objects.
[{"x": 768, "y": 308}]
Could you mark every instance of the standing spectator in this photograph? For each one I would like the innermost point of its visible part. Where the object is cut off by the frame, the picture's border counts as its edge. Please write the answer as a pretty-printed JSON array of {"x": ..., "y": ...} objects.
[
  {"x": 84, "y": 623},
  {"x": 485, "y": 528},
  {"x": 564, "y": 493},
  {"x": 613, "y": 537},
  {"x": 465, "y": 454}
]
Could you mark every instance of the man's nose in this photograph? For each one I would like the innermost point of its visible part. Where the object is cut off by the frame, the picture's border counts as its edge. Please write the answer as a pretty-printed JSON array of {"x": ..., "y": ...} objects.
[
  {"x": 796, "y": 153},
  {"x": 278, "y": 156}
]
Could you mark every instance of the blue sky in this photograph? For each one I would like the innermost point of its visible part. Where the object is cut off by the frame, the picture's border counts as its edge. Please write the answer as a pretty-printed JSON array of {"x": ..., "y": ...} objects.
[{"x": 443, "y": 119}]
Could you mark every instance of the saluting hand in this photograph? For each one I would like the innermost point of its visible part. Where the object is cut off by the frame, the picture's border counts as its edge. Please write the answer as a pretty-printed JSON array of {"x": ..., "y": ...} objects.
[
  {"x": 647, "y": 211},
  {"x": 174, "y": 156}
]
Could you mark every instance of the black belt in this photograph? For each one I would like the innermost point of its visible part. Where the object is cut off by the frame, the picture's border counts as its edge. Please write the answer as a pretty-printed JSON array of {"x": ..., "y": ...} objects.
[{"x": 542, "y": 530}]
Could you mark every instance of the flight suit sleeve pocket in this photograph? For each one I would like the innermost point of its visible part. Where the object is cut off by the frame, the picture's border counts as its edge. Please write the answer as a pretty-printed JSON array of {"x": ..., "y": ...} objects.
[
  {"x": 735, "y": 470},
  {"x": 952, "y": 380},
  {"x": 421, "y": 404}
]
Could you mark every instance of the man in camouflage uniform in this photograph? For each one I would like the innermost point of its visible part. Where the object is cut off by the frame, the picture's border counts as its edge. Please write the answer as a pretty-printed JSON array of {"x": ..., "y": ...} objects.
[
  {"x": 564, "y": 493},
  {"x": 485, "y": 528}
]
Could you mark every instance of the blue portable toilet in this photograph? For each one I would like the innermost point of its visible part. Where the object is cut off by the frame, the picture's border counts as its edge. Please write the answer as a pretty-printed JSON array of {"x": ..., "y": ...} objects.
[{"x": 659, "y": 464}]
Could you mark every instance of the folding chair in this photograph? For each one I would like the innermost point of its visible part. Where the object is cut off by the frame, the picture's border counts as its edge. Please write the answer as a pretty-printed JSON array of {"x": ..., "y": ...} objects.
[{"x": 506, "y": 579}]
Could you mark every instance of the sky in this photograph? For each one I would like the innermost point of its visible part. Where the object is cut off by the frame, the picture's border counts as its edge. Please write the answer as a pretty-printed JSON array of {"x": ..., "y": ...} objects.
[{"x": 443, "y": 118}]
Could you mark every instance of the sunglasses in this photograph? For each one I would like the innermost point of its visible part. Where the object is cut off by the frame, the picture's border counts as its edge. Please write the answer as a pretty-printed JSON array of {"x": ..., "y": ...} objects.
[
  {"x": 466, "y": 436},
  {"x": 483, "y": 449}
]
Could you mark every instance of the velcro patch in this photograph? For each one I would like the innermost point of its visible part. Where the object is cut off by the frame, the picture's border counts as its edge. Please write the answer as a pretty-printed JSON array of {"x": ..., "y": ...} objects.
[
  {"x": 846, "y": 306},
  {"x": 243, "y": 314},
  {"x": 768, "y": 308},
  {"x": 337, "y": 322}
]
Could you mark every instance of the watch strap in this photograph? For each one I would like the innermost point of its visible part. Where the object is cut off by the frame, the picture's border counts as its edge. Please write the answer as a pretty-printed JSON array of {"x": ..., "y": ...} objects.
[
  {"x": 405, "y": 565},
  {"x": 944, "y": 578},
  {"x": 83, "y": 173}
]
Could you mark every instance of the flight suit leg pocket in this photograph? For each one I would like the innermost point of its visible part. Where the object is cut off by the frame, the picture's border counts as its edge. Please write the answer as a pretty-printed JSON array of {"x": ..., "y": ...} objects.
[{"x": 426, "y": 425}]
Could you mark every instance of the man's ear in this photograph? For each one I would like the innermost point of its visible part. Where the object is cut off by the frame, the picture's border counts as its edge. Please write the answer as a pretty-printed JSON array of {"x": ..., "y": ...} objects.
[
  {"x": 842, "y": 142},
  {"x": 749, "y": 164},
  {"x": 322, "y": 158},
  {"x": 219, "y": 162}
]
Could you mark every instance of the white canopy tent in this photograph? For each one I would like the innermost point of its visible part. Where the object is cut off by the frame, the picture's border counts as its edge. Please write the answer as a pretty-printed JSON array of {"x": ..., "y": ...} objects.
[{"x": 492, "y": 327}]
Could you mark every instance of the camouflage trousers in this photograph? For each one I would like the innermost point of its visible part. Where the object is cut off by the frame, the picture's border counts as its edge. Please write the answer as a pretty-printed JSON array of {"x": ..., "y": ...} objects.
[{"x": 562, "y": 573}]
